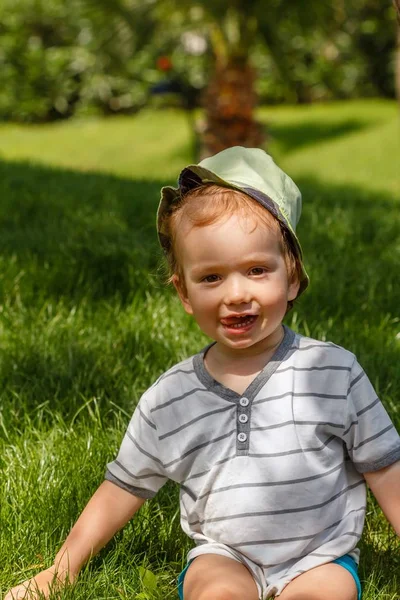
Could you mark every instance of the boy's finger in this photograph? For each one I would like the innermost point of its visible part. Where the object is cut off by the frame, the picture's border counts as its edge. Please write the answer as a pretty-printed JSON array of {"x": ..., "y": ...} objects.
[{"x": 19, "y": 592}]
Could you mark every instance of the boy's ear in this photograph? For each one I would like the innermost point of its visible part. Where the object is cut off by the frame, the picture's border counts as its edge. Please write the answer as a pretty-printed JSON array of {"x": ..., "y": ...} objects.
[
  {"x": 293, "y": 289},
  {"x": 180, "y": 287}
]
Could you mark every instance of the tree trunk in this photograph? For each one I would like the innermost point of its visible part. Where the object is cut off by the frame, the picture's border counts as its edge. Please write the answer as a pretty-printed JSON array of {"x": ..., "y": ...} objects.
[
  {"x": 229, "y": 103},
  {"x": 396, "y": 4},
  {"x": 397, "y": 64}
]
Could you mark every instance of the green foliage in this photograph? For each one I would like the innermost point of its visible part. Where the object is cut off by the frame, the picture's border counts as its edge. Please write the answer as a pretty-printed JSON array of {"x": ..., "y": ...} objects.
[
  {"x": 58, "y": 58},
  {"x": 39, "y": 69},
  {"x": 337, "y": 51},
  {"x": 150, "y": 585}
]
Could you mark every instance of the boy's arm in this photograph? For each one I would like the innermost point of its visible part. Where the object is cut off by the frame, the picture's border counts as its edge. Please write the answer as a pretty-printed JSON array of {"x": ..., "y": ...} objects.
[
  {"x": 385, "y": 485},
  {"x": 109, "y": 509}
]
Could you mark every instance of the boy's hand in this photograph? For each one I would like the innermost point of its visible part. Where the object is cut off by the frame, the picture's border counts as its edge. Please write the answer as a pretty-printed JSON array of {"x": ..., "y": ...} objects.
[{"x": 43, "y": 582}]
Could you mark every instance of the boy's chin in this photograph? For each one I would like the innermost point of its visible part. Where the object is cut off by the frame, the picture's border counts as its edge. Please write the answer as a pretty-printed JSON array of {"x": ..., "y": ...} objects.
[
  {"x": 251, "y": 343},
  {"x": 239, "y": 345}
]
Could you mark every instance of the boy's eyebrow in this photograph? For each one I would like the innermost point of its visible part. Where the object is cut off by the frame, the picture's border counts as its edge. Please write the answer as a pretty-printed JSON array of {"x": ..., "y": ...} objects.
[{"x": 259, "y": 257}]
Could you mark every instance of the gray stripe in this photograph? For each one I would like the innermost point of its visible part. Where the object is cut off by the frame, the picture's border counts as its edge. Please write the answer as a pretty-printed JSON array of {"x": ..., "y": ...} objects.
[
  {"x": 212, "y": 412},
  {"x": 315, "y": 395},
  {"x": 184, "y": 518},
  {"x": 364, "y": 410},
  {"x": 300, "y": 395},
  {"x": 304, "y": 537},
  {"x": 296, "y": 423},
  {"x": 385, "y": 461},
  {"x": 327, "y": 368},
  {"x": 373, "y": 437},
  {"x": 353, "y": 383},
  {"x": 174, "y": 373},
  {"x": 149, "y": 423},
  {"x": 217, "y": 462},
  {"x": 297, "y": 558},
  {"x": 269, "y": 483},
  {"x": 123, "y": 468},
  {"x": 349, "y": 427},
  {"x": 288, "y": 452},
  {"x": 256, "y": 577},
  {"x": 172, "y": 400},
  {"x": 142, "y": 451},
  {"x": 285, "y": 511},
  {"x": 351, "y": 533},
  {"x": 188, "y": 492},
  {"x": 330, "y": 556},
  {"x": 218, "y": 439},
  {"x": 326, "y": 345},
  {"x": 293, "y": 539},
  {"x": 137, "y": 491},
  {"x": 271, "y": 398}
]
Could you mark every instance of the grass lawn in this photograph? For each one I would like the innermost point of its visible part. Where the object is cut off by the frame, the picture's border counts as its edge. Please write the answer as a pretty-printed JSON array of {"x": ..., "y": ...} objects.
[{"x": 87, "y": 324}]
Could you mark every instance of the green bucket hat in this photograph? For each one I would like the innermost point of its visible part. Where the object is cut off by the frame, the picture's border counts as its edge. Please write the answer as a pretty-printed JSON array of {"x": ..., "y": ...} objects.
[{"x": 248, "y": 170}]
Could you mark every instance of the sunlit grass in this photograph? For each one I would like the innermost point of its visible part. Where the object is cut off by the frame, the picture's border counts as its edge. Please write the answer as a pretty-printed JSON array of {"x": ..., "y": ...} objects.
[
  {"x": 153, "y": 145},
  {"x": 354, "y": 143},
  {"x": 87, "y": 324},
  {"x": 150, "y": 145}
]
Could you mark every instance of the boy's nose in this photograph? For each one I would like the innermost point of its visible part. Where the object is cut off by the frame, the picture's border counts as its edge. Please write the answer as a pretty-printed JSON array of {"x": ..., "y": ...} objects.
[{"x": 236, "y": 291}]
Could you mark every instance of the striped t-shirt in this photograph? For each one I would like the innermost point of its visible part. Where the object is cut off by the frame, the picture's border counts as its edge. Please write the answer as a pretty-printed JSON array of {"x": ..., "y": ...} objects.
[{"x": 274, "y": 473}]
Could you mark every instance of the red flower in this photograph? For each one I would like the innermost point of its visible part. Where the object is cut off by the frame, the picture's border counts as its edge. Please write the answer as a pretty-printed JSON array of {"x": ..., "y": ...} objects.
[{"x": 164, "y": 63}]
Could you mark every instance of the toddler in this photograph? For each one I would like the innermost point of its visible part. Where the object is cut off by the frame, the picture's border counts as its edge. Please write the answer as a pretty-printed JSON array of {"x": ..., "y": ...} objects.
[{"x": 271, "y": 435}]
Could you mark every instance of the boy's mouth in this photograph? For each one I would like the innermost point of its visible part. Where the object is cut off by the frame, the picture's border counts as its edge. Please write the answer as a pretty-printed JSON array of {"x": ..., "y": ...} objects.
[{"x": 239, "y": 322}]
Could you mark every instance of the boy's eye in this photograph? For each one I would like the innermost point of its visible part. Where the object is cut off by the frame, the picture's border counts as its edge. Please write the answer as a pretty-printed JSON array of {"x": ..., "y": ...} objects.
[
  {"x": 210, "y": 278},
  {"x": 258, "y": 270}
]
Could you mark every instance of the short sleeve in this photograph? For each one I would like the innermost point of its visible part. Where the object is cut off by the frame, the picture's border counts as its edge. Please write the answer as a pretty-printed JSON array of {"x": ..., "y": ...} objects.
[
  {"x": 370, "y": 436},
  {"x": 138, "y": 467}
]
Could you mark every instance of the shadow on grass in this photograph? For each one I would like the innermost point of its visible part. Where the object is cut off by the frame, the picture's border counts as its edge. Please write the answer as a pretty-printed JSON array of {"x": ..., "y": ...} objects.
[
  {"x": 66, "y": 234},
  {"x": 291, "y": 137},
  {"x": 350, "y": 237},
  {"x": 71, "y": 235},
  {"x": 380, "y": 556},
  {"x": 380, "y": 567},
  {"x": 83, "y": 238}
]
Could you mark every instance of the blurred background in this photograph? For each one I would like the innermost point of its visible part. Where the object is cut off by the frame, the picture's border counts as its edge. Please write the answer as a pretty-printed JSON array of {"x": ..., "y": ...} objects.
[{"x": 61, "y": 59}]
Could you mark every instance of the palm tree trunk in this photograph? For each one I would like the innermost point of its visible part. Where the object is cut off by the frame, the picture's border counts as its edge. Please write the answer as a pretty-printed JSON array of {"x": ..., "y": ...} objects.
[
  {"x": 396, "y": 4},
  {"x": 229, "y": 101}
]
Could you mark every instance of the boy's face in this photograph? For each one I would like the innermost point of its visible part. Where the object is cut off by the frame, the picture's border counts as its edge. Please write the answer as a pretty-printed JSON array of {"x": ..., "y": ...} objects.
[{"x": 235, "y": 282}]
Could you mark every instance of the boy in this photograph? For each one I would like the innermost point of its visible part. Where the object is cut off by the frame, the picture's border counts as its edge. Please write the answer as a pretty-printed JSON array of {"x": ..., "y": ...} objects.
[{"x": 270, "y": 435}]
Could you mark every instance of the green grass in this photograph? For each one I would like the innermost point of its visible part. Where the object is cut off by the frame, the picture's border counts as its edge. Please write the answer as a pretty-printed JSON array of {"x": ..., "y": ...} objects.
[
  {"x": 148, "y": 146},
  {"x": 86, "y": 323},
  {"x": 355, "y": 143}
]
